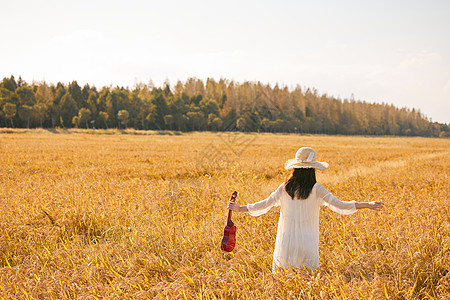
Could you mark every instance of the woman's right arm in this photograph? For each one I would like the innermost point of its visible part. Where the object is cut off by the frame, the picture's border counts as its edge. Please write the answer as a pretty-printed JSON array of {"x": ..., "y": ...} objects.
[
  {"x": 375, "y": 205},
  {"x": 333, "y": 203},
  {"x": 345, "y": 207}
]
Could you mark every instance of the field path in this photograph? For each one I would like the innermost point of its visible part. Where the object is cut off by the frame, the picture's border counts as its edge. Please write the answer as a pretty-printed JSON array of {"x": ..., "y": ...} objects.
[{"x": 382, "y": 166}]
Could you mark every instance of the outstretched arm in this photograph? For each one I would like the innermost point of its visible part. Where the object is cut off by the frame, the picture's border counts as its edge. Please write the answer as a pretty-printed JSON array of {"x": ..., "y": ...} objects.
[
  {"x": 261, "y": 207},
  {"x": 375, "y": 205},
  {"x": 345, "y": 207},
  {"x": 235, "y": 207}
]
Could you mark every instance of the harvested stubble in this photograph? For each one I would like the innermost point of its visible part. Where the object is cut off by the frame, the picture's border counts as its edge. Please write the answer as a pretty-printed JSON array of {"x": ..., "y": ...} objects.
[{"x": 136, "y": 217}]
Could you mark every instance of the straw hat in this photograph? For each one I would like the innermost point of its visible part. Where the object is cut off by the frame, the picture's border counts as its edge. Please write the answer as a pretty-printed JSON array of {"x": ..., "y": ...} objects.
[{"x": 305, "y": 158}]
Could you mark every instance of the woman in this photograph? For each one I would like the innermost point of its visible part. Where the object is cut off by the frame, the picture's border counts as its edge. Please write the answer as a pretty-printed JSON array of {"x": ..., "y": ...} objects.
[{"x": 300, "y": 198}]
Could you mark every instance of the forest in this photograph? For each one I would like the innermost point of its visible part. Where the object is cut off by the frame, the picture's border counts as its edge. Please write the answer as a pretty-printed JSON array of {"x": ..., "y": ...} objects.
[{"x": 195, "y": 105}]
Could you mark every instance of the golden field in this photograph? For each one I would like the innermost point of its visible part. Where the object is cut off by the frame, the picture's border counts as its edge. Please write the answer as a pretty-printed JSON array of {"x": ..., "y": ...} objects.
[{"x": 103, "y": 214}]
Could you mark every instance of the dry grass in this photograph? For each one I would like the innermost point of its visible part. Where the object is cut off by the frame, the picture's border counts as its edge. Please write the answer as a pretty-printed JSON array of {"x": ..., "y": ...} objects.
[{"x": 141, "y": 216}]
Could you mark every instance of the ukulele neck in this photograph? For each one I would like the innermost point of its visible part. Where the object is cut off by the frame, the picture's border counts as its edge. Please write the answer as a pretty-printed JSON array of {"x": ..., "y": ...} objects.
[{"x": 233, "y": 199}]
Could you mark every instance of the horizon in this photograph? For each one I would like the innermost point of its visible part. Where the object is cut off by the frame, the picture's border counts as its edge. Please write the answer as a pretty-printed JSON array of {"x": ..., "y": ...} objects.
[{"x": 171, "y": 85}]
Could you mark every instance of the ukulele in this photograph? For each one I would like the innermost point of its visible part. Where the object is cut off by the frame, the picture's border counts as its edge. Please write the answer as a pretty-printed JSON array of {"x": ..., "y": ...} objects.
[{"x": 229, "y": 233}]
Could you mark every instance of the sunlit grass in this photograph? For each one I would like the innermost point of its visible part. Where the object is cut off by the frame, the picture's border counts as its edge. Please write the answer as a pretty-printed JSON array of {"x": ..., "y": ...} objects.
[{"x": 142, "y": 216}]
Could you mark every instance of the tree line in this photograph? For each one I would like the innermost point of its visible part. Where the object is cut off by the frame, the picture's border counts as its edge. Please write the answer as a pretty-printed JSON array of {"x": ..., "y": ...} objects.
[{"x": 195, "y": 105}]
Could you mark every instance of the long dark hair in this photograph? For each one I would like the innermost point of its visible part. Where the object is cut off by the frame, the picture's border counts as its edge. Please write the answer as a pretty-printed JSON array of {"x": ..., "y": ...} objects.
[{"x": 301, "y": 183}]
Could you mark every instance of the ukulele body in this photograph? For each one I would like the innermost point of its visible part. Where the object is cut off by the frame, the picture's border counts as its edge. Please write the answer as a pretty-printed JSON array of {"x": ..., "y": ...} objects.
[{"x": 229, "y": 233}]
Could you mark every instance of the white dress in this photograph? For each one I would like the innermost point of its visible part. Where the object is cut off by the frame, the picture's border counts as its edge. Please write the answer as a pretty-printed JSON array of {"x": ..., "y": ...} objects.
[{"x": 297, "y": 242}]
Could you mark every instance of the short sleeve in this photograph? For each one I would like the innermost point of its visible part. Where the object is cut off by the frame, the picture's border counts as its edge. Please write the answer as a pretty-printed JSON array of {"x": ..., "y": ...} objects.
[
  {"x": 336, "y": 205},
  {"x": 263, "y": 206}
]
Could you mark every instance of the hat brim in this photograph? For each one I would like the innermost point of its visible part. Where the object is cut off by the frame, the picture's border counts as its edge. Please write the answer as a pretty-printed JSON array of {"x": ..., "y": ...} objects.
[{"x": 293, "y": 163}]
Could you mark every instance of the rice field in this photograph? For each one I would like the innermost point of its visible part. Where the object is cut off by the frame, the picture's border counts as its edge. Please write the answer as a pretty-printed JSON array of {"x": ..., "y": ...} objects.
[{"x": 122, "y": 215}]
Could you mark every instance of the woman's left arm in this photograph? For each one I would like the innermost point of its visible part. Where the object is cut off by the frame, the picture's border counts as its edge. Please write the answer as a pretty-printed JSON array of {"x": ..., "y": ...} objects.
[
  {"x": 261, "y": 207},
  {"x": 235, "y": 207}
]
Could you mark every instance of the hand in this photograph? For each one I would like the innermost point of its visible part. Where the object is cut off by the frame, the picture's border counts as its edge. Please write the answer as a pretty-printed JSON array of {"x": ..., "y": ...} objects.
[
  {"x": 375, "y": 205},
  {"x": 234, "y": 207}
]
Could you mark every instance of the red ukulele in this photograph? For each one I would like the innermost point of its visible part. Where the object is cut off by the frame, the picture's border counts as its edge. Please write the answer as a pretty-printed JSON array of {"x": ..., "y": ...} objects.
[{"x": 229, "y": 233}]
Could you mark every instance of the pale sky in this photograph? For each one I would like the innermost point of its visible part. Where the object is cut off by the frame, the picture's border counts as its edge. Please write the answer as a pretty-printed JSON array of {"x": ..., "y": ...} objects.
[{"x": 381, "y": 51}]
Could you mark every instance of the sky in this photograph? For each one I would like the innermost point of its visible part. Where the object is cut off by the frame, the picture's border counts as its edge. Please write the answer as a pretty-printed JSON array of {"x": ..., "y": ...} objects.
[{"x": 375, "y": 51}]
